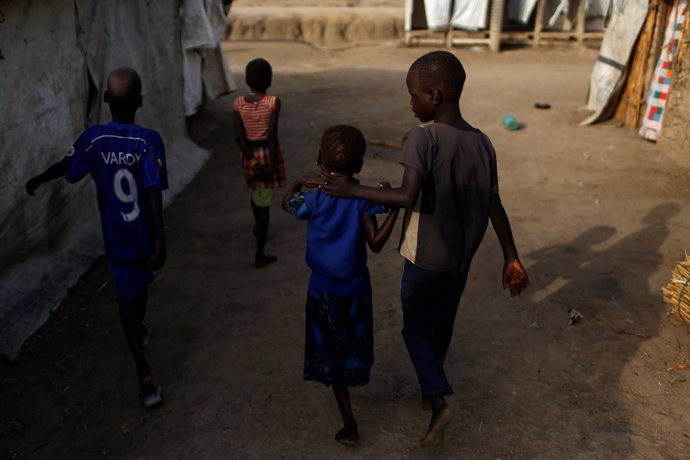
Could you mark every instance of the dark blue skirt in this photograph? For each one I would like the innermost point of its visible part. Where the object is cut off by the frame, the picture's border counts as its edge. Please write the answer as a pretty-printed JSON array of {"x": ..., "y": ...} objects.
[{"x": 339, "y": 338}]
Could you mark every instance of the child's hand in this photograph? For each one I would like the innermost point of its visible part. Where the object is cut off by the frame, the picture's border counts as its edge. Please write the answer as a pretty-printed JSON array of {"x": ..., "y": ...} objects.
[
  {"x": 160, "y": 254},
  {"x": 515, "y": 277},
  {"x": 31, "y": 185},
  {"x": 311, "y": 181},
  {"x": 256, "y": 167},
  {"x": 385, "y": 184},
  {"x": 263, "y": 172},
  {"x": 336, "y": 185}
]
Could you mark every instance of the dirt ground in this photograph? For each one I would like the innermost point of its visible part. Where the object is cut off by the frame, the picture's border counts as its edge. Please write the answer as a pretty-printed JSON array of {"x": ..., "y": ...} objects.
[{"x": 597, "y": 214}]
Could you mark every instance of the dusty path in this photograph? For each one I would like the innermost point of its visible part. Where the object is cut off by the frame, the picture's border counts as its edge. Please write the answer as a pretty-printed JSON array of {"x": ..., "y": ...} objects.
[{"x": 599, "y": 219}]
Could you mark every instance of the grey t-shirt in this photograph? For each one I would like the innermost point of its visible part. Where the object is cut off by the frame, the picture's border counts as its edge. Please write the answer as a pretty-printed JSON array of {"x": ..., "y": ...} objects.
[{"x": 444, "y": 228}]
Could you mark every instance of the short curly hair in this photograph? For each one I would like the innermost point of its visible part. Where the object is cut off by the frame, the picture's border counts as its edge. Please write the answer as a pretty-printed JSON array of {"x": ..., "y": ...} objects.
[
  {"x": 258, "y": 75},
  {"x": 440, "y": 69},
  {"x": 342, "y": 149}
]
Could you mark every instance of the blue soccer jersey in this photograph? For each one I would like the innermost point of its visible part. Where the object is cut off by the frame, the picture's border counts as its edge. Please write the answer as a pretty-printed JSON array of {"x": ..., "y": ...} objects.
[{"x": 123, "y": 160}]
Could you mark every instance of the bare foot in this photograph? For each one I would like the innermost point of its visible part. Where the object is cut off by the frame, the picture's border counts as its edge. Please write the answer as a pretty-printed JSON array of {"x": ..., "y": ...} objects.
[
  {"x": 348, "y": 437},
  {"x": 437, "y": 426}
]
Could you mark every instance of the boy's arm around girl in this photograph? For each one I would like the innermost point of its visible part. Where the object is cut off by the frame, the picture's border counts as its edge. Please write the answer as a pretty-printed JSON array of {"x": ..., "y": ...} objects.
[
  {"x": 514, "y": 276},
  {"x": 375, "y": 236}
]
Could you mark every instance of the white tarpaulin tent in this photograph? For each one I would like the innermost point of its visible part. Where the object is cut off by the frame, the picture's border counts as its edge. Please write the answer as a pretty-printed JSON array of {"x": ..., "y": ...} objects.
[
  {"x": 439, "y": 14},
  {"x": 610, "y": 69},
  {"x": 205, "y": 68},
  {"x": 521, "y": 10},
  {"x": 490, "y": 22},
  {"x": 472, "y": 14},
  {"x": 56, "y": 55}
]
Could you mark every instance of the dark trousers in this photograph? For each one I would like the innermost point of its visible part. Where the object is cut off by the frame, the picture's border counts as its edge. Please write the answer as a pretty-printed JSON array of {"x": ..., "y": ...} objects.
[
  {"x": 132, "y": 316},
  {"x": 430, "y": 301}
]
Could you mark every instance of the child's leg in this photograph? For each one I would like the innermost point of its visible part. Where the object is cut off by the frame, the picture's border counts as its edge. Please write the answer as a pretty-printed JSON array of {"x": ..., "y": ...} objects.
[
  {"x": 131, "y": 316},
  {"x": 131, "y": 283},
  {"x": 348, "y": 434},
  {"x": 338, "y": 346},
  {"x": 262, "y": 214},
  {"x": 430, "y": 300},
  {"x": 142, "y": 301},
  {"x": 421, "y": 319},
  {"x": 256, "y": 217},
  {"x": 440, "y": 418},
  {"x": 261, "y": 207},
  {"x": 449, "y": 299}
]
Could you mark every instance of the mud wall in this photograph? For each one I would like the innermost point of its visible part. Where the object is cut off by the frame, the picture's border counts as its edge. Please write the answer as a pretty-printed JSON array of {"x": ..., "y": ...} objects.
[{"x": 319, "y": 26}]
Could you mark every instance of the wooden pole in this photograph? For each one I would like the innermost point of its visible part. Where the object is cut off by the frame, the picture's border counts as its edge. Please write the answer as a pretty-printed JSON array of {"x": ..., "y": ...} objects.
[
  {"x": 629, "y": 108},
  {"x": 683, "y": 45},
  {"x": 663, "y": 10},
  {"x": 496, "y": 25},
  {"x": 449, "y": 31},
  {"x": 581, "y": 21},
  {"x": 409, "y": 5},
  {"x": 539, "y": 22}
]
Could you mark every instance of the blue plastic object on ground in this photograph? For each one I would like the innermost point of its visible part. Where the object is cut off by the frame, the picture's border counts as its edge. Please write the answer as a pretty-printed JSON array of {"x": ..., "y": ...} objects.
[{"x": 510, "y": 122}]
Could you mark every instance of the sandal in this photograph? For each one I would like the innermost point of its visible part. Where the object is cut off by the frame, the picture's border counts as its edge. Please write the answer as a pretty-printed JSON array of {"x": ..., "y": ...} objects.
[{"x": 153, "y": 398}]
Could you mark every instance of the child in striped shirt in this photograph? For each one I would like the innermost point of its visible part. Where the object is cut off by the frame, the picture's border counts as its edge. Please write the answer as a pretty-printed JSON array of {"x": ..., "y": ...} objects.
[{"x": 256, "y": 132}]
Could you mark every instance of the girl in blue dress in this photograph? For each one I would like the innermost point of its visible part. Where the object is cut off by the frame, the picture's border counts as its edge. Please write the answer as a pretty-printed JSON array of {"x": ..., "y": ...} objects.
[{"x": 339, "y": 344}]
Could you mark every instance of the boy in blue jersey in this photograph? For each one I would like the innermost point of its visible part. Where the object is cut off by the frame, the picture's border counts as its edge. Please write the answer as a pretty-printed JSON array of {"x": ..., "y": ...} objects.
[{"x": 127, "y": 165}]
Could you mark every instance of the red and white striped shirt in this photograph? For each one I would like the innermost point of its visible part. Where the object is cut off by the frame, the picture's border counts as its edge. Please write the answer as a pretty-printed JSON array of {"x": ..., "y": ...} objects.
[{"x": 256, "y": 116}]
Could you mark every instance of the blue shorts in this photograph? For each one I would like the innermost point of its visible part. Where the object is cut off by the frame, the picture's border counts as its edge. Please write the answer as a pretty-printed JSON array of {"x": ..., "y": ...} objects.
[{"x": 131, "y": 278}]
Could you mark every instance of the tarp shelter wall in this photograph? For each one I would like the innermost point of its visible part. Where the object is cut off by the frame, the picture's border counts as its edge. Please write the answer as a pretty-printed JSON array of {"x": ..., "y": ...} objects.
[
  {"x": 50, "y": 52},
  {"x": 658, "y": 79},
  {"x": 440, "y": 14},
  {"x": 206, "y": 72},
  {"x": 559, "y": 14},
  {"x": 424, "y": 19},
  {"x": 415, "y": 15},
  {"x": 612, "y": 64},
  {"x": 561, "y": 20}
]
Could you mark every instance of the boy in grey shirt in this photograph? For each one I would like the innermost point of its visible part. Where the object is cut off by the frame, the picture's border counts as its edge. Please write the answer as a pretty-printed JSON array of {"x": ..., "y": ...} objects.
[{"x": 450, "y": 191}]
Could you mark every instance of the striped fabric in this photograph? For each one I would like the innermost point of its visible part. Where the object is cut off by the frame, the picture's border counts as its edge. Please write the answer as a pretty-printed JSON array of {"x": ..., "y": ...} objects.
[
  {"x": 256, "y": 120},
  {"x": 661, "y": 82},
  {"x": 256, "y": 116}
]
